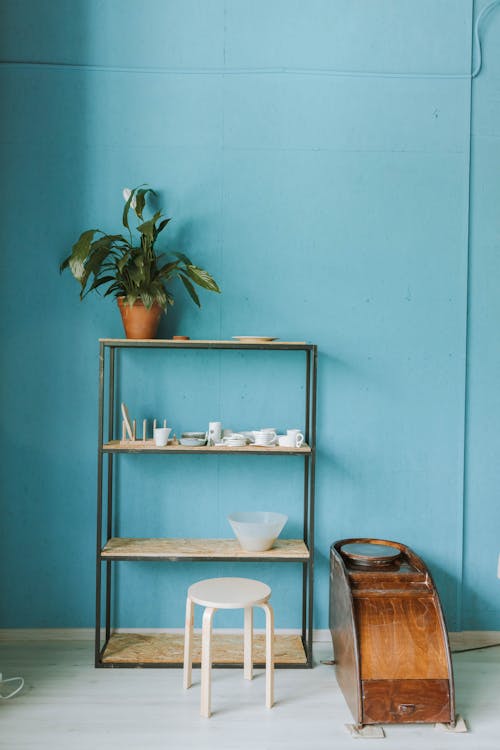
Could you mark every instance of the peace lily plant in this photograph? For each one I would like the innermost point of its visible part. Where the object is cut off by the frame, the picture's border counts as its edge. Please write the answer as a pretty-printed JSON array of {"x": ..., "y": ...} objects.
[{"x": 132, "y": 269}]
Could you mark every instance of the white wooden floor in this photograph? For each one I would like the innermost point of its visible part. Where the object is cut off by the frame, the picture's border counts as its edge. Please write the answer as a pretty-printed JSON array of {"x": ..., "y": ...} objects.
[{"x": 68, "y": 705}]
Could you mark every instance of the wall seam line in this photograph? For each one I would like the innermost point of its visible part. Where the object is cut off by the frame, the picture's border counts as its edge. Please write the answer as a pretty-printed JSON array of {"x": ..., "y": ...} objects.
[{"x": 460, "y": 592}]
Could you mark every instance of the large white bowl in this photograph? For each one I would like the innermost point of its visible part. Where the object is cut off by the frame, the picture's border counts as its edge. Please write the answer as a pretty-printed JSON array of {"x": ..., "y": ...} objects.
[{"x": 257, "y": 531}]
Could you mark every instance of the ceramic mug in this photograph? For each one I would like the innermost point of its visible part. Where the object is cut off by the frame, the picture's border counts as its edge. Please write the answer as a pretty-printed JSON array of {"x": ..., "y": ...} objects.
[
  {"x": 296, "y": 437},
  {"x": 161, "y": 435}
]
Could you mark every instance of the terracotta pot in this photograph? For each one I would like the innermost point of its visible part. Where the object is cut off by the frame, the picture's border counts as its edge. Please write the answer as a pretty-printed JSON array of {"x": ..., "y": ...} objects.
[{"x": 138, "y": 321}]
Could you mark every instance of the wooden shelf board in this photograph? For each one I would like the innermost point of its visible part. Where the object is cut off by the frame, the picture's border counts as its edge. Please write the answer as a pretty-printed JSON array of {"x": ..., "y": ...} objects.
[
  {"x": 191, "y": 342},
  {"x": 149, "y": 446},
  {"x": 168, "y": 649},
  {"x": 121, "y": 548}
]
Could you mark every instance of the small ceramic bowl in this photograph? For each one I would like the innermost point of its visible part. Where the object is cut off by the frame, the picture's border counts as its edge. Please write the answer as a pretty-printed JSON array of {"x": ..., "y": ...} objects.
[
  {"x": 198, "y": 435},
  {"x": 257, "y": 531}
]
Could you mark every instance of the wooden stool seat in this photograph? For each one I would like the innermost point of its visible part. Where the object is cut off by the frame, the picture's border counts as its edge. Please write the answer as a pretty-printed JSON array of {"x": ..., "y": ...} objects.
[{"x": 227, "y": 593}]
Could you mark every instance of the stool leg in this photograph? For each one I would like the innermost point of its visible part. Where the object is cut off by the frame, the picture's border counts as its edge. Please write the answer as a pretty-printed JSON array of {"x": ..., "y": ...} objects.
[
  {"x": 248, "y": 644},
  {"x": 188, "y": 643},
  {"x": 269, "y": 654},
  {"x": 206, "y": 661}
]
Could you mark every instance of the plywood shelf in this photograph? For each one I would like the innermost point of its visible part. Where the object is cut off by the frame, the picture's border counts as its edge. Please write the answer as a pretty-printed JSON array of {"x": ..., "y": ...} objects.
[
  {"x": 121, "y": 548},
  {"x": 167, "y": 649},
  {"x": 149, "y": 446},
  {"x": 206, "y": 344}
]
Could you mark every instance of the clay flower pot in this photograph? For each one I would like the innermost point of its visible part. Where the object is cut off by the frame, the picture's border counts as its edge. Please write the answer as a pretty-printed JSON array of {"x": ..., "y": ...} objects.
[{"x": 138, "y": 321}]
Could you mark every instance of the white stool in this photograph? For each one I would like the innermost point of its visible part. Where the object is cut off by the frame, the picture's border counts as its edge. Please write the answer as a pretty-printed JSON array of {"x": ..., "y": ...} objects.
[{"x": 227, "y": 593}]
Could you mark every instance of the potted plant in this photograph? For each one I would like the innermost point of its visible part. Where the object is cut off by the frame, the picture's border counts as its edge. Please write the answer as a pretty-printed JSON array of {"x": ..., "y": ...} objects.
[{"x": 133, "y": 271}]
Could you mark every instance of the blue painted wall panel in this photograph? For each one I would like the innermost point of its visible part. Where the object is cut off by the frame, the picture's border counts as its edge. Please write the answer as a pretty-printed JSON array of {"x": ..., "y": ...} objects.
[
  {"x": 332, "y": 209},
  {"x": 481, "y": 594}
]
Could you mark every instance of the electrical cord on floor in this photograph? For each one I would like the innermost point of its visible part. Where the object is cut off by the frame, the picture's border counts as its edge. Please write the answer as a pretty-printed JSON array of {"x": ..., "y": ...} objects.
[
  {"x": 474, "y": 648},
  {"x": 15, "y": 691}
]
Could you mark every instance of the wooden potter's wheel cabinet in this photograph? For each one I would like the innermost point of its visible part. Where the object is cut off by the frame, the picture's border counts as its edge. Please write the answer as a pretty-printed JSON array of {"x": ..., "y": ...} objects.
[
  {"x": 166, "y": 650},
  {"x": 391, "y": 648}
]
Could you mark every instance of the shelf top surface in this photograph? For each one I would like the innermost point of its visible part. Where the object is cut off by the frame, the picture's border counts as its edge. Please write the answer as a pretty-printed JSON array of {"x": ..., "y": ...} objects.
[
  {"x": 149, "y": 446},
  {"x": 207, "y": 549},
  {"x": 205, "y": 344}
]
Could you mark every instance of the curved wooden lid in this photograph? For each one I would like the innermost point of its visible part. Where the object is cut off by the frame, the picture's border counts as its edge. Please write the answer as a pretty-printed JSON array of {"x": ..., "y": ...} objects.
[{"x": 364, "y": 553}]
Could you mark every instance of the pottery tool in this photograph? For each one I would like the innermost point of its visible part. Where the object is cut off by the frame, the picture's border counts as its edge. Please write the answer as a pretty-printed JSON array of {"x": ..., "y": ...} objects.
[{"x": 126, "y": 421}]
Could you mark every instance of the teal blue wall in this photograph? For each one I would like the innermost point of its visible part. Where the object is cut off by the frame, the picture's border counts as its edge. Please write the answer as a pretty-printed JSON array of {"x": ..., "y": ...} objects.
[{"x": 330, "y": 207}]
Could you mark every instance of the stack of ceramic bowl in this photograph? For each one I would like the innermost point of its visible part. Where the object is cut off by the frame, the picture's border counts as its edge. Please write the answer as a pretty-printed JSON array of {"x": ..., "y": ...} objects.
[
  {"x": 193, "y": 439},
  {"x": 265, "y": 437},
  {"x": 234, "y": 440}
]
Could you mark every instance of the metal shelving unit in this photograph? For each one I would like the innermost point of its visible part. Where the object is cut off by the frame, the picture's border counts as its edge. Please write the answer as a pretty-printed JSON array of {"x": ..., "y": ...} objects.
[{"x": 132, "y": 650}]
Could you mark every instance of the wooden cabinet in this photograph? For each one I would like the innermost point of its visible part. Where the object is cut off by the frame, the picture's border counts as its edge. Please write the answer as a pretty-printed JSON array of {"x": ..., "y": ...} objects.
[
  {"x": 165, "y": 650},
  {"x": 391, "y": 648}
]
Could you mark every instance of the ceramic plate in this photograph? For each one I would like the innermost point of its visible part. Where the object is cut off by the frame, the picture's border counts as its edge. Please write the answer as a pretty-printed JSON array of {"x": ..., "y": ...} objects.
[{"x": 255, "y": 339}]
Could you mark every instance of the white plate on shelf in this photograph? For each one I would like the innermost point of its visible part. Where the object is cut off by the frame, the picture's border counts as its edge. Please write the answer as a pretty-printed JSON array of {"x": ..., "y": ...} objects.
[{"x": 255, "y": 339}]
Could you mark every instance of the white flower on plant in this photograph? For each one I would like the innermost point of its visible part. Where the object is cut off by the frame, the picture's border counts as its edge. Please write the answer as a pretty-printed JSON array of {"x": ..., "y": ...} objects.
[{"x": 126, "y": 194}]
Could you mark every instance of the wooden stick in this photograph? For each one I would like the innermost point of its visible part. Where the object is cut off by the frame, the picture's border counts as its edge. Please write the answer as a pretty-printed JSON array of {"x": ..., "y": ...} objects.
[
  {"x": 165, "y": 423},
  {"x": 144, "y": 430},
  {"x": 134, "y": 426}
]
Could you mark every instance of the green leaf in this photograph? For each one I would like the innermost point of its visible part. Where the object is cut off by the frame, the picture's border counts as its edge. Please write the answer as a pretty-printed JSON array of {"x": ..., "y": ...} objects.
[
  {"x": 202, "y": 278},
  {"x": 94, "y": 263},
  {"x": 140, "y": 202},
  {"x": 184, "y": 258},
  {"x": 99, "y": 281},
  {"x": 148, "y": 227},
  {"x": 116, "y": 287},
  {"x": 127, "y": 208},
  {"x": 190, "y": 290},
  {"x": 148, "y": 299},
  {"x": 120, "y": 264},
  {"x": 161, "y": 226},
  {"x": 166, "y": 271},
  {"x": 79, "y": 254}
]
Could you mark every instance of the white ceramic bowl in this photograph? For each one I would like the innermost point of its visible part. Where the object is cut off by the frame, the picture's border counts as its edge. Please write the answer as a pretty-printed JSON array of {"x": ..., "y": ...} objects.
[{"x": 257, "y": 531}]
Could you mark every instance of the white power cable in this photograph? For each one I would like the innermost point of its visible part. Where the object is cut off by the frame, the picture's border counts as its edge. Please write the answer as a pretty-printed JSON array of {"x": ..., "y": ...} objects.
[
  {"x": 477, "y": 40},
  {"x": 15, "y": 691},
  {"x": 476, "y": 50}
]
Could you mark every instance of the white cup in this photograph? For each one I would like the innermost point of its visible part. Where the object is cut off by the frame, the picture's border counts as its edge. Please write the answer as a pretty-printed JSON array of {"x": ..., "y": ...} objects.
[
  {"x": 296, "y": 436},
  {"x": 161, "y": 435},
  {"x": 214, "y": 432}
]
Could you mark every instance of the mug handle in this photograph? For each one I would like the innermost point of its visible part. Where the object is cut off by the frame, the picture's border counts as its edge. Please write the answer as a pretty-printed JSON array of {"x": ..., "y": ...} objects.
[{"x": 299, "y": 440}]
